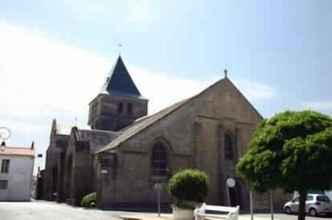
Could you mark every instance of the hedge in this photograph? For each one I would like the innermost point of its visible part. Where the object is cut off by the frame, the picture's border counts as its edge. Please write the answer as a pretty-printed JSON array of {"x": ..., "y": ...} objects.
[
  {"x": 188, "y": 185},
  {"x": 89, "y": 200}
]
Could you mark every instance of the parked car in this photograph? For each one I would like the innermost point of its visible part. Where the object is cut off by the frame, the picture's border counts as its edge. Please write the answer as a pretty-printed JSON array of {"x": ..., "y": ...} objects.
[{"x": 316, "y": 204}]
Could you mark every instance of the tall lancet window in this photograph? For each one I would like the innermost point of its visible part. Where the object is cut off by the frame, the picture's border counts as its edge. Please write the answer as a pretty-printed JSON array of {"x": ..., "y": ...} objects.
[
  {"x": 228, "y": 147},
  {"x": 120, "y": 108},
  {"x": 159, "y": 160},
  {"x": 130, "y": 108}
]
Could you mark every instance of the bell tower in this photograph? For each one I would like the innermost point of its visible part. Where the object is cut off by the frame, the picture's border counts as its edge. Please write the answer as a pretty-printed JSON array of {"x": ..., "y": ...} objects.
[{"x": 119, "y": 103}]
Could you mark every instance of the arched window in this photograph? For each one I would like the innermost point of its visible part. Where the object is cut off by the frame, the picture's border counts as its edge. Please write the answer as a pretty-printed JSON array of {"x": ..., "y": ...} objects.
[
  {"x": 229, "y": 154},
  {"x": 120, "y": 108},
  {"x": 159, "y": 160}
]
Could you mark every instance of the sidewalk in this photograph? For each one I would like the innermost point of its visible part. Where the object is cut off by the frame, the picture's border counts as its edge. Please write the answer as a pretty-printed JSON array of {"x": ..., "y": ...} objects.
[
  {"x": 154, "y": 216},
  {"x": 145, "y": 216}
]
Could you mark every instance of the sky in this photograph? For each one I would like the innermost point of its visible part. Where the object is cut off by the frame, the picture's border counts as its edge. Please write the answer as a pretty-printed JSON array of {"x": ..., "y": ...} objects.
[{"x": 55, "y": 56}]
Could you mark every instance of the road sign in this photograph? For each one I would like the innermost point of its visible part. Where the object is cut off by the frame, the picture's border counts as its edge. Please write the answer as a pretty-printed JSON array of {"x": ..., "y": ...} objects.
[
  {"x": 158, "y": 187},
  {"x": 230, "y": 182}
]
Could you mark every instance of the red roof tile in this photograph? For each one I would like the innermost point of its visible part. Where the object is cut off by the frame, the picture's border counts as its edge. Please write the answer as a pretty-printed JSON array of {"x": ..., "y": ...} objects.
[{"x": 16, "y": 151}]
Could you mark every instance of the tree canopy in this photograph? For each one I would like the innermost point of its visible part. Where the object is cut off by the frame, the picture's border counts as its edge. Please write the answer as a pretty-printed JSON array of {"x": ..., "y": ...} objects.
[{"x": 292, "y": 150}]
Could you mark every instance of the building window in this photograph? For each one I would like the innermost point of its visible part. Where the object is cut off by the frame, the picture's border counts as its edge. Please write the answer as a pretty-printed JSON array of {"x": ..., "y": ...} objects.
[
  {"x": 109, "y": 162},
  {"x": 130, "y": 108},
  {"x": 3, "y": 184},
  {"x": 94, "y": 109},
  {"x": 5, "y": 166},
  {"x": 229, "y": 154},
  {"x": 105, "y": 163},
  {"x": 120, "y": 108},
  {"x": 159, "y": 160}
]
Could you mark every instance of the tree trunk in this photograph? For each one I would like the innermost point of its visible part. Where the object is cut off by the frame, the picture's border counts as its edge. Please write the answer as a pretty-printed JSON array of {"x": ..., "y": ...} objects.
[{"x": 303, "y": 198}]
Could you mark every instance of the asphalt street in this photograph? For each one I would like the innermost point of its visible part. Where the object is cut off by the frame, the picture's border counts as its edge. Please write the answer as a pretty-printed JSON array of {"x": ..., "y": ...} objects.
[
  {"x": 41, "y": 210},
  {"x": 49, "y": 211}
]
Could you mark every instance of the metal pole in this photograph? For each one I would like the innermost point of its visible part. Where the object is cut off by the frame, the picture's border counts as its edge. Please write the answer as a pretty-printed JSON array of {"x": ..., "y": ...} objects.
[
  {"x": 159, "y": 188},
  {"x": 271, "y": 205},
  {"x": 251, "y": 205}
]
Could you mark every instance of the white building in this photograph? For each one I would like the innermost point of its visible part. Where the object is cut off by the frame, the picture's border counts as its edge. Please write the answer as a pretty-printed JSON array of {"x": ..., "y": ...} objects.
[{"x": 16, "y": 167}]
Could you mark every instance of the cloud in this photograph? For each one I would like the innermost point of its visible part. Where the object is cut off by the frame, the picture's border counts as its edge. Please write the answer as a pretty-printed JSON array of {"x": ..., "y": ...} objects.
[
  {"x": 43, "y": 78},
  {"x": 163, "y": 89},
  {"x": 323, "y": 106}
]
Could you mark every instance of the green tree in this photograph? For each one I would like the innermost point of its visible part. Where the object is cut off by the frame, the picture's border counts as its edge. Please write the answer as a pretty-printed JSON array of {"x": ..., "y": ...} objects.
[{"x": 292, "y": 151}]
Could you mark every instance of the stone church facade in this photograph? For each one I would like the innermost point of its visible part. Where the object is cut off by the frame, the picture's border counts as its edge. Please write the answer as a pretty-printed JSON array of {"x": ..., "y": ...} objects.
[
  {"x": 70, "y": 170},
  {"x": 127, "y": 151}
]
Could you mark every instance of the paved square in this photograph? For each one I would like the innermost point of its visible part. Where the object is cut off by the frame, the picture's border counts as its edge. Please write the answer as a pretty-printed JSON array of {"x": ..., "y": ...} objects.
[{"x": 42, "y": 210}]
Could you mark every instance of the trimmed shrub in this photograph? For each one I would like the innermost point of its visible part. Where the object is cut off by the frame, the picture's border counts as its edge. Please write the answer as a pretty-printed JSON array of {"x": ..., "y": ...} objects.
[
  {"x": 188, "y": 187},
  {"x": 89, "y": 200}
]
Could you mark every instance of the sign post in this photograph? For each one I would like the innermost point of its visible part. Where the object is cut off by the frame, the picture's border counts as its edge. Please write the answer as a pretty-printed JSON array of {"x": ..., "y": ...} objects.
[
  {"x": 158, "y": 187},
  {"x": 230, "y": 182},
  {"x": 251, "y": 206},
  {"x": 271, "y": 205}
]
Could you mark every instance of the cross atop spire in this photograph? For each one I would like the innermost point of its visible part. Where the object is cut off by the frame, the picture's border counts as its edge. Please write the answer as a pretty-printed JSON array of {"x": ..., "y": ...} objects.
[
  {"x": 119, "y": 81},
  {"x": 119, "y": 48},
  {"x": 225, "y": 72}
]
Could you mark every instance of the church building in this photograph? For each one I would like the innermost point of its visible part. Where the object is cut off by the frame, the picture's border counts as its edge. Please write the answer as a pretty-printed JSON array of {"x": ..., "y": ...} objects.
[{"x": 126, "y": 152}]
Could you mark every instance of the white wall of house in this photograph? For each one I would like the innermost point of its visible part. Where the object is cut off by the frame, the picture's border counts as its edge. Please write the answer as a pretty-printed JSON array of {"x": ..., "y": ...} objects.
[{"x": 19, "y": 178}]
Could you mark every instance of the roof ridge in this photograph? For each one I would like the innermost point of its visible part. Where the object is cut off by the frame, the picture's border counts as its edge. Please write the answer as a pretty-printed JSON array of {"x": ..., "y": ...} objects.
[
  {"x": 246, "y": 100},
  {"x": 170, "y": 109},
  {"x": 99, "y": 130},
  {"x": 176, "y": 106},
  {"x": 17, "y": 151},
  {"x": 29, "y": 148},
  {"x": 144, "y": 123}
]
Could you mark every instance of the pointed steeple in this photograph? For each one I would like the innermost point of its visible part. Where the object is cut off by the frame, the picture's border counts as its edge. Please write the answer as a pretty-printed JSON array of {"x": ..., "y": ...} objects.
[
  {"x": 120, "y": 92},
  {"x": 119, "y": 82}
]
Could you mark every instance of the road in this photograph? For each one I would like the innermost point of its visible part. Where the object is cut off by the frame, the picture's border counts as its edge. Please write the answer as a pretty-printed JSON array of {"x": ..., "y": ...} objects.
[
  {"x": 41, "y": 210},
  {"x": 49, "y": 211}
]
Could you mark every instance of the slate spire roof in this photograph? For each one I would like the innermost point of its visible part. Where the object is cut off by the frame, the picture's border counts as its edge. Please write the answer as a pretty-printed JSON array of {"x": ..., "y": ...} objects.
[{"x": 119, "y": 82}]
